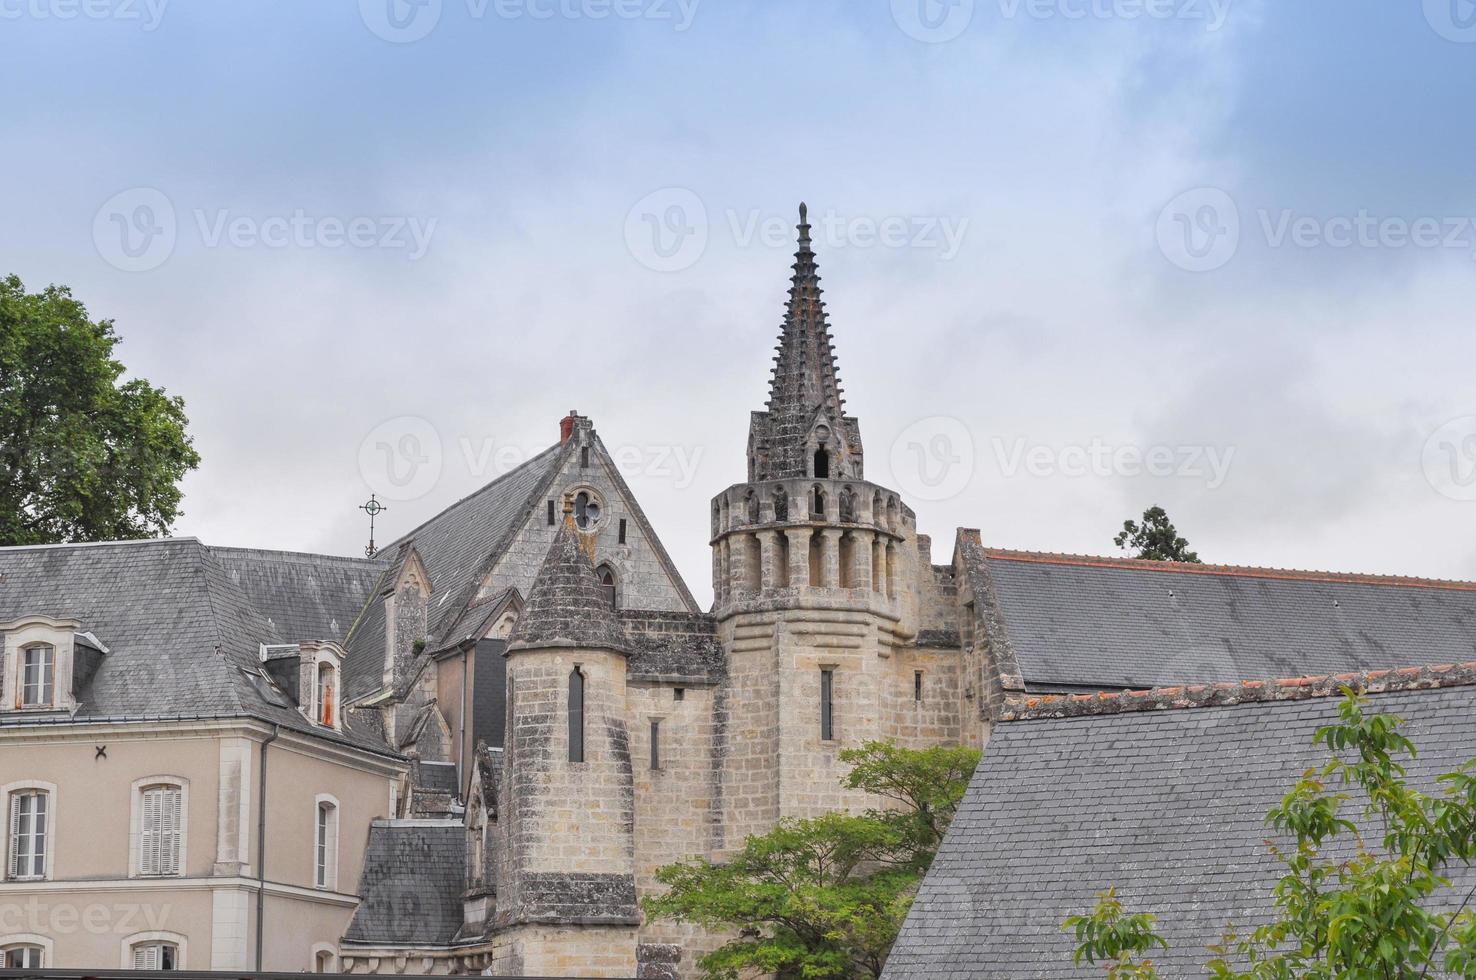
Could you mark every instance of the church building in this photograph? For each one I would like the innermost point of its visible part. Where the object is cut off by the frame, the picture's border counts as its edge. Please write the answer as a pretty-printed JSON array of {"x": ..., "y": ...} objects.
[{"x": 472, "y": 751}]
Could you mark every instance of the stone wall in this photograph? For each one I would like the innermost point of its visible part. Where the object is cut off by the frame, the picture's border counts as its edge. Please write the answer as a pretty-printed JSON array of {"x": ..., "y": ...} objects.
[{"x": 565, "y": 951}]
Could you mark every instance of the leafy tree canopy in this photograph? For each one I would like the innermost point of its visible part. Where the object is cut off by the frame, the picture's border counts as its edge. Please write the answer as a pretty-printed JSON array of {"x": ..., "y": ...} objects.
[
  {"x": 1155, "y": 539},
  {"x": 84, "y": 455},
  {"x": 824, "y": 898},
  {"x": 1366, "y": 890}
]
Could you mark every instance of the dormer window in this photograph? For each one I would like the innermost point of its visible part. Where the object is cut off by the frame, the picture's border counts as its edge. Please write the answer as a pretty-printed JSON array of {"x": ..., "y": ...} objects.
[
  {"x": 327, "y": 694},
  {"x": 38, "y": 676}
]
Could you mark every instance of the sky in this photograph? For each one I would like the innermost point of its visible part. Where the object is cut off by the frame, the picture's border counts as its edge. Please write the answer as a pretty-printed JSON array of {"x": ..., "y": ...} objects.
[{"x": 1081, "y": 256}]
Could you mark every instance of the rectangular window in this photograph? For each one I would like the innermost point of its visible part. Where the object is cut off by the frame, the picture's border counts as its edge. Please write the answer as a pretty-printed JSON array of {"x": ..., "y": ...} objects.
[
  {"x": 917, "y": 686},
  {"x": 622, "y": 530},
  {"x": 156, "y": 956},
  {"x": 680, "y": 694},
  {"x": 552, "y": 519},
  {"x": 38, "y": 671},
  {"x": 584, "y": 458},
  {"x": 655, "y": 743},
  {"x": 326, "y": 850},
  {"x": 29, "y": 822},
  {"x": 827, "y": 705},
  {"x": 576, "y": 715},
  {"x": 159, "y": 831}
]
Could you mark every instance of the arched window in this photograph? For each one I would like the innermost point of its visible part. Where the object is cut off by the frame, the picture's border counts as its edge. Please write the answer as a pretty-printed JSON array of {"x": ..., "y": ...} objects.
[
  {"x": 327, "y": 693},
  {"x": 817, "y": 503},
  {"x": 23, "y": 956},
  {"x": 323, "y": 961},
  {"x": 576, "y": 715},
  {"x": 325, "y": 844},
  {"x": 822, "y": 464},
  {"x": 607, "y": 583},
  {"x": 155, "y": 955}
]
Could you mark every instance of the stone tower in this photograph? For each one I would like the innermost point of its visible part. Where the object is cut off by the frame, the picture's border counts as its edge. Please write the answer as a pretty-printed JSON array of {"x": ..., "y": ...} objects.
[
  {"x": 813, "y": 572},
  {"x": 565, "y": 886}
]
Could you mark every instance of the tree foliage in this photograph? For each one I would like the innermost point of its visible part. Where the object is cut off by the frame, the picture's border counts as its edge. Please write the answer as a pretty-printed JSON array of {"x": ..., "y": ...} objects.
[
  {"x": 1155, "y": 539},
  {"x": 84, "y": 454},
  {"x": 1366, "y": 892},
  {"x": 824, "y": 898}
]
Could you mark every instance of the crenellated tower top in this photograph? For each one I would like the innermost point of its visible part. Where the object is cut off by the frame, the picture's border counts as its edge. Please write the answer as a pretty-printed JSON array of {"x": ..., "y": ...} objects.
[{"x": 804, "y": 432}]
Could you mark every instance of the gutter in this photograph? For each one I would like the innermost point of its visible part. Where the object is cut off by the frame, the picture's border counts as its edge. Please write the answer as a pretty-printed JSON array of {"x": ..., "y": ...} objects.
[{"x": 261, "y": 816}]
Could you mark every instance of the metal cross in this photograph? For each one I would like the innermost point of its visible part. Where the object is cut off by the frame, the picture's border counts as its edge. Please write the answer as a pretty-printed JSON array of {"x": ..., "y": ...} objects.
[{"x": 373, "y": 508}]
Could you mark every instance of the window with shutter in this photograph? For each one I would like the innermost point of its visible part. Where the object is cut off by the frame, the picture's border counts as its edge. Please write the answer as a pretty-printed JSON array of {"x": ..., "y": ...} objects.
[
  {"x": 28, "y": 827},
  {"x": 155, "y": 956},
  {"x": 160, "y": 831}
]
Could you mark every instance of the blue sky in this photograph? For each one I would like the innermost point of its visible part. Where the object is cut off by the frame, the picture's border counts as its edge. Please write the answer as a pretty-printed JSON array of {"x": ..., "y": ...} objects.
[{"x": 1037, "y": 167}]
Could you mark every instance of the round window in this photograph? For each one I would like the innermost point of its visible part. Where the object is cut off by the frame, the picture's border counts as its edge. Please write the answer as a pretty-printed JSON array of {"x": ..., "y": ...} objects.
[{"x": 586, "y": 510}]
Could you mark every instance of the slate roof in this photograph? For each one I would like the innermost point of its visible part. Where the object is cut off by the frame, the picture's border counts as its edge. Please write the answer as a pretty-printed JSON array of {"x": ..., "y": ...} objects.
[
  {"x": 566, "y": 606},
  {"x": 1166, "y": 805},
  {"x": 182, "y": 633},
  {"x": 412, "y": 884},
  {"x": 1080, "y": 622},
  {"x": 455, "y": 545},
  {"x": 307, "y": 597}
]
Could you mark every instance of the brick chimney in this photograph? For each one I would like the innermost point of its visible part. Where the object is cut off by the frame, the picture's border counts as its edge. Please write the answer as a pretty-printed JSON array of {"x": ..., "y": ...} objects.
[{"x": 566, "y": 425}]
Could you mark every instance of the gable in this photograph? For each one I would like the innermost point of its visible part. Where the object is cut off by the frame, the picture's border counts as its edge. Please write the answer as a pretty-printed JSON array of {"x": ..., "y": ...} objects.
[{"x": 645, "y": 576}]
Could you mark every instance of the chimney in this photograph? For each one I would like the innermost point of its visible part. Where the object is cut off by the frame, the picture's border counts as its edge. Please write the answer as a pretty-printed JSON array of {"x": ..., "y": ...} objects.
[{"x": 566, "y": 425}]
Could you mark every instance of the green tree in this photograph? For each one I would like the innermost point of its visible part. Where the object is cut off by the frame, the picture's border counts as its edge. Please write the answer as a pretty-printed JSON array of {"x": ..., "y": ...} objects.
[
  {"x": 84, "y": 455},
  {"x": 824, "y": 898},
  {"x": 1155, "y": 539},
  {"x": 1366, "y": 892}
]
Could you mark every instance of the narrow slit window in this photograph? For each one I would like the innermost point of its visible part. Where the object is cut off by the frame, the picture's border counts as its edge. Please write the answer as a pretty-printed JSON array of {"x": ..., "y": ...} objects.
[
  {"x": 584, "y": 458},
  {"x": 622, "y": 530},
  {"x": 576, "y": 716},
  {"x": 827, "y": 705},
  {"x": 552, "y": 519},
  {"x": 655, "y": 743},
  {"x": 917, "y": 686}
]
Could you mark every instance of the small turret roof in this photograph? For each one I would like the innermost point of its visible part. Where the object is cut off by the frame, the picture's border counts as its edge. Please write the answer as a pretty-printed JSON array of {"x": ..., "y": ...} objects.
[{"x": 566, "y": 606}]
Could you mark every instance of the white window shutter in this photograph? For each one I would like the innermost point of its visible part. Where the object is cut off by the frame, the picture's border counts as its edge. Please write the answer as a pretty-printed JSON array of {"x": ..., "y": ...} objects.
[
  {"x": 150, "y": 833},
  {"x": 13, "y": 861},
  {"x": 141, "y": 957},
  {"x": 169, "y": 837},
  {"x": 40, "y": 814}
]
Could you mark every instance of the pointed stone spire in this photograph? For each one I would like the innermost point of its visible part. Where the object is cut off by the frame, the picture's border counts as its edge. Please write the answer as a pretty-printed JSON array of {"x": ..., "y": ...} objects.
[
  {"x": 805, "y": 383},
  {"x": 566, "y": 606}
]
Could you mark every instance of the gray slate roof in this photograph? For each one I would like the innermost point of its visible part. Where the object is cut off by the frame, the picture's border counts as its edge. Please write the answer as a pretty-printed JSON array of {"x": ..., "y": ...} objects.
[
  {"x": 412, "y": 884},
  {"x": 1115, "y": 623},
  {"x": 566, "y": 606},
  {"x": 1166, "y": 805},
  {"x": 307, "y": 597},
  {"x": 179, "y": 628},
  {"x": 455, "y": 545}
]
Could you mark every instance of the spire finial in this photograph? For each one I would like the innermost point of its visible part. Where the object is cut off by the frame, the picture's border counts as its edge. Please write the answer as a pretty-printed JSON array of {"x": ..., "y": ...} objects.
[{"x": 804, "y": 228}]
